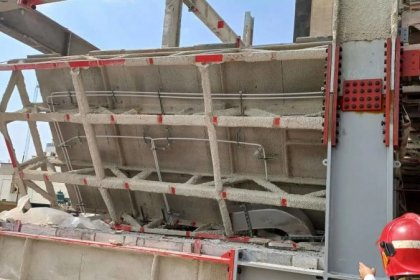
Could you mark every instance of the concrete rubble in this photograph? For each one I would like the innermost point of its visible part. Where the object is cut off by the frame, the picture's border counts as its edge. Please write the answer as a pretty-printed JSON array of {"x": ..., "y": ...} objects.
[{"x": 44, "y": 216}]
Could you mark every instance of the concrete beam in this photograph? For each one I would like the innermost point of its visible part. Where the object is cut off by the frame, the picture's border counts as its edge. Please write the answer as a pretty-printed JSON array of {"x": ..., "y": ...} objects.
[
  {"x": 13, "y": 158},
  {"x": 310, "y": 53},
  {"x": 91, "y": 139},
  {"x": 26, "y": 256},
  {"x": 214, "y": 148},
  {"x": 172, "y": 24},
  {"x": 213, "y": 21},
  {"x": 44, "y": 194},
  {"x": 36, "y": 138},
  {"x": 182, "y": 189},
  {"x": 8, "y": 92},
  {"x": 248, "y": 36},
  {"x": 133, "y": 204},
  {"x": 277, "y": 122},
  {"x": 42, "y": 33}
]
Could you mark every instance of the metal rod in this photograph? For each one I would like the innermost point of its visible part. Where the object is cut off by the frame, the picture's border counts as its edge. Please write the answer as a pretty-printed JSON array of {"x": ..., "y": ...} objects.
[
  {"x": 155, "y": 158},
  {"x": 153, "y": 140}
]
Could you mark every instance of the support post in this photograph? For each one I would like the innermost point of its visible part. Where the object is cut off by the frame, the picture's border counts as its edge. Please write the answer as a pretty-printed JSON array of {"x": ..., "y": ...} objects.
[
  {"x": 248, "y": 36},
  {"x": 172, "y": 24},
  {"x": 26, "y": 259},
  {"x": 214, "y": 148},
  {"x": 13, "y": 158},
  {"x": 131, "y": 197},
  {"x": 220, "y": 28},
  {"x": 42, "y": 33},
  {"x": 91, "y": 140},
  {"x": 36, "y": 139}
]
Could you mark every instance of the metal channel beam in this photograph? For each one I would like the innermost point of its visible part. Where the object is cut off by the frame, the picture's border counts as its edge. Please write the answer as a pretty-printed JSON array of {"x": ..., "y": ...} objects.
[
  {"x": 209, "y": 16},
  {"x": 42, "y": 33}
]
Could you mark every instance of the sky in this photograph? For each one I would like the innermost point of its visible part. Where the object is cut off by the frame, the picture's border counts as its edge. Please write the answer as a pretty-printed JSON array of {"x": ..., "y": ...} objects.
[{"x": 137, "y": 24}]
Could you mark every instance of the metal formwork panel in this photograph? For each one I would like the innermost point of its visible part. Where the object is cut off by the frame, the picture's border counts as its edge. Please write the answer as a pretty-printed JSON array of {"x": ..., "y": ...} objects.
[{"x": 290, "y": 155}]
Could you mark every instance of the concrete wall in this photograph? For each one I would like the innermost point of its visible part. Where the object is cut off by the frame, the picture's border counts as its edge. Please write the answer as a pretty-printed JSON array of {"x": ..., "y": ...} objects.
[{"x": 321, "y": 18}]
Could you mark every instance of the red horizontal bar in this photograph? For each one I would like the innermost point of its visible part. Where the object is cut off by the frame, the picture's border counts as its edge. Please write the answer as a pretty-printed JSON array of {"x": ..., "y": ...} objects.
[
  {"x": 134, "y": 249},
  {"x": 209, "y": 58},
  {"x": 96, "y": 63}
]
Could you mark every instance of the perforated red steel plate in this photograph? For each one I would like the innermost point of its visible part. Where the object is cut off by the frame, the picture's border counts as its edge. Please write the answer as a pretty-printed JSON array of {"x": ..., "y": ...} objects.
[{"x": 362, "y": 95}]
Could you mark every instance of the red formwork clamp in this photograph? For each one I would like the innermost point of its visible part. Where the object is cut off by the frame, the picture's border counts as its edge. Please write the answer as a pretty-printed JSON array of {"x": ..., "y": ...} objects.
[
  {"x": 336, "y": 90},
  {"x": 327, "y": 98},
  {"x": 388, "y": 93}
]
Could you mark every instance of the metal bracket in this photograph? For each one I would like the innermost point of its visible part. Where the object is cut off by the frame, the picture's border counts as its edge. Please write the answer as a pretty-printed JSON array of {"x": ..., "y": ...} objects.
[
  {"x": 411, "y": 66},
  {"x": 247, "y": 219},
  {"x": 331, "y": 95},
  {"x": 388, "y": 93},
  {"x": 362, "y": 95},
  {"x": 405, "y": 34},
  {"x": 398, "y": 91}
]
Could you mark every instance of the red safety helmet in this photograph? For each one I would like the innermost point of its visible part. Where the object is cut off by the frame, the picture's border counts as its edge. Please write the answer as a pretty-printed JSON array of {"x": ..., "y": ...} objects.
[{"x": 399, "y": 245}]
